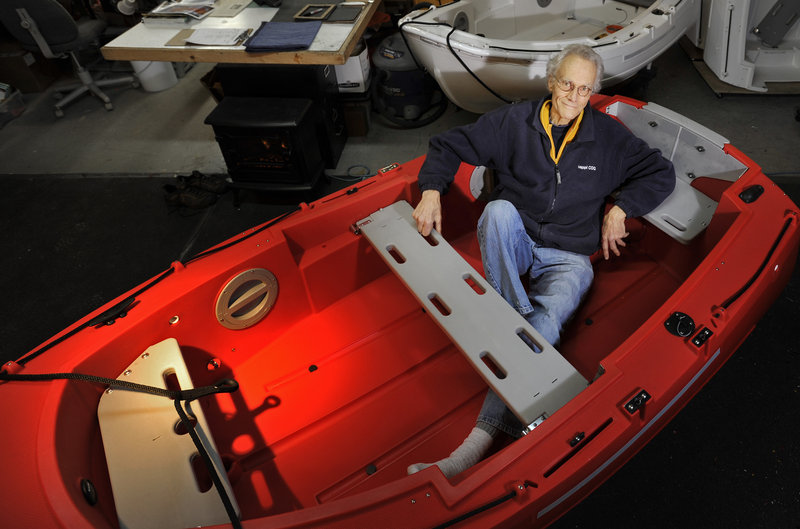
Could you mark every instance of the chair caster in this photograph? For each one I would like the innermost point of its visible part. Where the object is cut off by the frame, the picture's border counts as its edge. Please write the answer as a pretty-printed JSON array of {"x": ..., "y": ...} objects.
[
  {"x": 109, "y": 106},
  {"x": 59, "y": 113},
  {"x": 136, "y": 84}
]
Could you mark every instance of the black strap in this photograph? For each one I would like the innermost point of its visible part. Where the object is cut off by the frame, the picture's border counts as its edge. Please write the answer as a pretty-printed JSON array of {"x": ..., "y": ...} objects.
[
  {"x": 212, "y": 470},
  {"x": 224, "y": 386}
]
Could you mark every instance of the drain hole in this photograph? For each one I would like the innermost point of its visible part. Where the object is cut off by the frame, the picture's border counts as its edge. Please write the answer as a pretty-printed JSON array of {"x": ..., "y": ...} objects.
[
  {"x": 439, "y": 304},
  {"x": 529, "y": 341},
  {"x": 396, "y": 255},
  {"x": 171, "y": 381},
  {"x": 433, "y": 241},
  {"x": 474, "y": 285},
  {"x": 489, "y": 361},
  {"x": 201, "y": 475}
]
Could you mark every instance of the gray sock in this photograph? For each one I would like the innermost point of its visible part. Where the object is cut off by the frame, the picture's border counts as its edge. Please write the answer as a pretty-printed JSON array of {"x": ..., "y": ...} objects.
[{"x": 471, "y": 450}]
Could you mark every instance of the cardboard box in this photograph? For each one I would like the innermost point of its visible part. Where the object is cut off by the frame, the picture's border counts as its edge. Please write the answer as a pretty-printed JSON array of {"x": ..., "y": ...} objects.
[
  {"x": 357, "y": 109},
  {"x": 25, "y": 70},
  {"x": 353, "y": 75}
]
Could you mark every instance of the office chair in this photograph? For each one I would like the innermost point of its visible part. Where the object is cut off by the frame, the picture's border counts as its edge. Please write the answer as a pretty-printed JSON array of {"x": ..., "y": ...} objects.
[{"x": 45, "y": 25}]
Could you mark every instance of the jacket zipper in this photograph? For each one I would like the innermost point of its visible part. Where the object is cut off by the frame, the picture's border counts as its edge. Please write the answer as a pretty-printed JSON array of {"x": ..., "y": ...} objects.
[
  {"x": 555, "y": 191},
  {"x": 553, "y": 202}
]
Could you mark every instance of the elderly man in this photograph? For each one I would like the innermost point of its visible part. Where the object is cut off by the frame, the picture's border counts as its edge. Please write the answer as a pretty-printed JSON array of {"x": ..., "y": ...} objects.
[{"x": 556, "y": 161}]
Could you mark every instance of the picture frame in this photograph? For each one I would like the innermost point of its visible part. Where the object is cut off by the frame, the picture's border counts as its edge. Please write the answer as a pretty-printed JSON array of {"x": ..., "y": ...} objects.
[{"x": 315, "y": 12}]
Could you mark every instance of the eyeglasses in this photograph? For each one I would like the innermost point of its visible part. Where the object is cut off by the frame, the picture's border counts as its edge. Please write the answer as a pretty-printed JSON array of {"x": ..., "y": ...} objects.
[{"x": 569, "y": 86}]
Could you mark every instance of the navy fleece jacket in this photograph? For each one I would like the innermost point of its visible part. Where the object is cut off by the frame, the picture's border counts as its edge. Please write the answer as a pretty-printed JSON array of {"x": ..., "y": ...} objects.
[{"x": 567, "y": 214}]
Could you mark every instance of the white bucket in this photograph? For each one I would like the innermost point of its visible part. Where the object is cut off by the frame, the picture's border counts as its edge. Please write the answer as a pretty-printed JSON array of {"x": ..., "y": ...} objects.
[{"x": 155, "y": 76}]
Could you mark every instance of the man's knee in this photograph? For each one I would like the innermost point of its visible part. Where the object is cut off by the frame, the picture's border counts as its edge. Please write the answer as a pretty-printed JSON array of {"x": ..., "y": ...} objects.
[
  {"x": 499, "y": 213},
  {"x": 500, "y": 208}
]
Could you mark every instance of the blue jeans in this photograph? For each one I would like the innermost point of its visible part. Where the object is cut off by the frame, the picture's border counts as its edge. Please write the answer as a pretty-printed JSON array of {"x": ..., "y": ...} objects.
[{"x": 558, "y": 281}]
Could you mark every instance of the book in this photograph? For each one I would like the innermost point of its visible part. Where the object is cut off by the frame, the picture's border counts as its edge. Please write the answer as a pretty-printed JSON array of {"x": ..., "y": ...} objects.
[{"x": 283, "y": 36}]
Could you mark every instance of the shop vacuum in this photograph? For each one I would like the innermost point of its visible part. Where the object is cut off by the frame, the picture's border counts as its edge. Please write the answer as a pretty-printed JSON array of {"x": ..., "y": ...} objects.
[{"x": 401, "y": 92}]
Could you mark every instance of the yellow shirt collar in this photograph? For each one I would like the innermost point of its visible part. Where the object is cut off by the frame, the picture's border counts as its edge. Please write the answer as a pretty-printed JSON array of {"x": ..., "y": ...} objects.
[{"x": 544, "y": 116}]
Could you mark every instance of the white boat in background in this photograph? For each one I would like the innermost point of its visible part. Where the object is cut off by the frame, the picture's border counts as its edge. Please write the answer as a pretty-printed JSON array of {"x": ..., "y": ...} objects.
[{"x": 484, "y": 53}]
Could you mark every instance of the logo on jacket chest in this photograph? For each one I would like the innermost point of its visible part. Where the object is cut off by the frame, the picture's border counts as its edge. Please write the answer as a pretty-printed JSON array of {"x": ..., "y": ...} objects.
[{"x": 587, "y": 168}]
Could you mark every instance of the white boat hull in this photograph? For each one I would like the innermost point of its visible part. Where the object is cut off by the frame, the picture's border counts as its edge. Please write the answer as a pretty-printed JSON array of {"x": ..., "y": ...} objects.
[{"x": 507, "y": 43}]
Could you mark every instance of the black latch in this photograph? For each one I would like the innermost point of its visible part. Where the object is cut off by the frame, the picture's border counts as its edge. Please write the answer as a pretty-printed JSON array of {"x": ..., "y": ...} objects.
[
  {"x": 577, "y": 438},
  {"x": 637, "y": 402},
  {"x": 108, "y": 317},
  {"x": 680, "y": 324},
  {"x": 701, "y": 337}
]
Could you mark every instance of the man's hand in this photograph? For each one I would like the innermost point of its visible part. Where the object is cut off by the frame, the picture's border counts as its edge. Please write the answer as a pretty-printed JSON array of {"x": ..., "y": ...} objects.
[
  {"x": 428, "y": 212},
  {"x": 613, "y": 231}
]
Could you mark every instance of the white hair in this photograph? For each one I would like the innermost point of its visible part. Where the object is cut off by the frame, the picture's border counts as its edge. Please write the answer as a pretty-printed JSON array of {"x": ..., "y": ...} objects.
[{"x": 578, "y": 50}]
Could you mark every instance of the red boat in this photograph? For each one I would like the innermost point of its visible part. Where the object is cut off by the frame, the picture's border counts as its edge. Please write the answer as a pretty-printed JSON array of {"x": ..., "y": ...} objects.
[{"x": 287, "y": 377}]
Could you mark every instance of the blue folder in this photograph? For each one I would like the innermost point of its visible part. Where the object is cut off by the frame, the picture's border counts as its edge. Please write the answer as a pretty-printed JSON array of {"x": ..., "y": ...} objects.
[{"x": 283, "y": 36}]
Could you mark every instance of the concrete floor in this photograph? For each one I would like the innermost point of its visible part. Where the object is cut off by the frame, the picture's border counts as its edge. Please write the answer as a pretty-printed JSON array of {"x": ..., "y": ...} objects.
[
  {"x": 84, "y": 221},
  {"x": 162, "y": 133}
]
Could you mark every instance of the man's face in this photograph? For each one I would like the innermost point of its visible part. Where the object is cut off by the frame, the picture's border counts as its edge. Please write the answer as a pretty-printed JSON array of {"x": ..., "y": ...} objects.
[{"x": 576, "y": 73}]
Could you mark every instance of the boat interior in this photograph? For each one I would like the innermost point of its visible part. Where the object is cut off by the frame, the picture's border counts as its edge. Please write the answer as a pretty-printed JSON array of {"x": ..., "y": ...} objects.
[
  {"x": 344, "y": 379},
  {"x": 543, "y": 21}
]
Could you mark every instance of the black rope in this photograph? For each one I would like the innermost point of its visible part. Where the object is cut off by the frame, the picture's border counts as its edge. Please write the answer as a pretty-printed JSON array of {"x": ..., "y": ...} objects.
[
  {"x": 212, "y": 470},
  {"x": 405, "y": 40},
  {"x": 223, "y": 386},
  {"x": 473, "y": 74}
]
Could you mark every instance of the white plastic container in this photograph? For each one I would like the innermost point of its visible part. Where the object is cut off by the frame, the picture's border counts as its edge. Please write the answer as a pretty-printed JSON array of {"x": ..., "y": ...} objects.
[
  {"x": 353, "y": 75},
  {"x": 155, "y": 76}
]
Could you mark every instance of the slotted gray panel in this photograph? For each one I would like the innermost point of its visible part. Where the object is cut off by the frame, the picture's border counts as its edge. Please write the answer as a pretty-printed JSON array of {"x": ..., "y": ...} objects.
[{"x": 478, "y": 320}]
